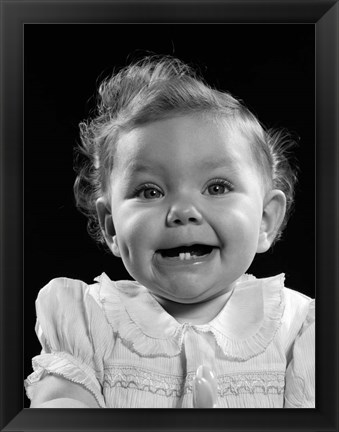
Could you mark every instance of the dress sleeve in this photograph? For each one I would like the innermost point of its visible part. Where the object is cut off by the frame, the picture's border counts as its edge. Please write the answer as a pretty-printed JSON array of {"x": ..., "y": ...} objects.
[
  {"x": 74, "y": 336},
  {"x": 300, "y": 373}
]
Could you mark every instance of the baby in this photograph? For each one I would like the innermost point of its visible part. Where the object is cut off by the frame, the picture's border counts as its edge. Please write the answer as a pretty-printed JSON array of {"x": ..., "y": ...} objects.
[{"x": 183, "y": 183}]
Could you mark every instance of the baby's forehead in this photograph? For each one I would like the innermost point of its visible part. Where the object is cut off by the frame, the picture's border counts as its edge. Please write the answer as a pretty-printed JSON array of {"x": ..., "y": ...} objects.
[
  {"x": 196, "y": 138},
  {"x": 188, "y": 128},
  {"x": 190, "y": 123}
]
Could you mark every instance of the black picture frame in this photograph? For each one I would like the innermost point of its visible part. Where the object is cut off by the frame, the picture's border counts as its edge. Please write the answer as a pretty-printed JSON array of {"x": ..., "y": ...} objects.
[{"x": 324, "y": 16}]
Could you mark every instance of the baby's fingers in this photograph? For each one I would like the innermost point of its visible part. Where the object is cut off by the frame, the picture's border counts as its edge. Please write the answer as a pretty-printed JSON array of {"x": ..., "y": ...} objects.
[{"x": 204, "y": 389}]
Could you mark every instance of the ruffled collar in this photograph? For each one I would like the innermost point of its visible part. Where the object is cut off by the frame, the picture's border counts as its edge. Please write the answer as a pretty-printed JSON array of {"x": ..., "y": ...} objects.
[{"x": 243, "y": 328}]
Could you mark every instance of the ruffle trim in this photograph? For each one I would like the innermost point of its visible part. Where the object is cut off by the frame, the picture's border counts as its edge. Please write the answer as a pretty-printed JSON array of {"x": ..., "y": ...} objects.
[
  {"x": 310, "y": 318},
  {"x": 64, "y": 365},
  {"x": 242, "y": 349},
  {"x": 128, "y": 331},
  {"x": 165, "y": 337}
]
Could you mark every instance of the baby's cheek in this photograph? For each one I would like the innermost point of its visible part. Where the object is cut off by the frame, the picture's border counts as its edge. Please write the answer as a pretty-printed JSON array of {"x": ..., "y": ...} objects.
[
  {"x": 135, "y": 234},
  {"x": 240, "y": 229}
]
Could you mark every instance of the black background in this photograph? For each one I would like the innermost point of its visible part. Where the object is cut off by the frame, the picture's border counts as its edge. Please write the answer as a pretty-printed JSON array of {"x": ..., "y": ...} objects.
[{"x": 269, "y": 66}]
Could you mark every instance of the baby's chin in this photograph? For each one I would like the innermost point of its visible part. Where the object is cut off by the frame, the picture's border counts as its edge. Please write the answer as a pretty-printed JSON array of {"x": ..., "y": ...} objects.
[
  {"x": 188, "y": 296},
  {"x": 197, "y": 311},
  {"x": 174, "y": 299},
  {"x": 184, "y": 287}
]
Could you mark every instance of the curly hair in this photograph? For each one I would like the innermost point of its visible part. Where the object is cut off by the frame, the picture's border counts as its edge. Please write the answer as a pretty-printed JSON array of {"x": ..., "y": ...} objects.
[{"x": 159, "y": 87}]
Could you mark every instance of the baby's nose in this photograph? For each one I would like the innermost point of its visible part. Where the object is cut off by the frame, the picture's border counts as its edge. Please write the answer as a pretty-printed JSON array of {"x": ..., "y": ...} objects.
[{"x": 183, "y": 213}]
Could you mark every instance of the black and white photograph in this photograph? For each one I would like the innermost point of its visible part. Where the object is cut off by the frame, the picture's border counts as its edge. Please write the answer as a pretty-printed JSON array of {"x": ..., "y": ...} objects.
[
  {"x": 169, "y": 216},
  {"x": 189, "y": 278}
]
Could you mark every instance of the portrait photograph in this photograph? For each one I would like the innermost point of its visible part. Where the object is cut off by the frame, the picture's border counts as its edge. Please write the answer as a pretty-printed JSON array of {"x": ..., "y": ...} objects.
[{"x": 175, "y": 194}]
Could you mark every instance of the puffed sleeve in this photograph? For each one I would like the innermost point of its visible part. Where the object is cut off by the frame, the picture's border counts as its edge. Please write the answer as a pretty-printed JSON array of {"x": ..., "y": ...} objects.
[
  {"x": 74, "y": 336},
  {"x": 300, "y": 374}
]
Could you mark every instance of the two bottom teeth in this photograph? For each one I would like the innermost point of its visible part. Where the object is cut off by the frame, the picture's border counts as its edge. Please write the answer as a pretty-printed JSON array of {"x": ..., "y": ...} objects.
[
  {"x": 186, "y": 253},
  {"x": 186, "y": 256}
]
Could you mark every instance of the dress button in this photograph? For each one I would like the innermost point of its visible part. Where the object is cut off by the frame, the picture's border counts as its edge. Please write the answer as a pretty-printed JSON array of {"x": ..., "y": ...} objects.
[{"x": 186, "y": 326}]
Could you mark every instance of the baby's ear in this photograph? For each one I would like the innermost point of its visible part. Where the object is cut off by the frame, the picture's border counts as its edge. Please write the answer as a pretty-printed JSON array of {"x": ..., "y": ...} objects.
[
  {"x": 105, "y": 220},
  {"x": 272, "y": 217}
]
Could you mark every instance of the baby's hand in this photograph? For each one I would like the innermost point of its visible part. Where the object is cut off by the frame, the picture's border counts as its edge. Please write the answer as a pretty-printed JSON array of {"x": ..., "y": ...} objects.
[{"x": 204, "y": 388}]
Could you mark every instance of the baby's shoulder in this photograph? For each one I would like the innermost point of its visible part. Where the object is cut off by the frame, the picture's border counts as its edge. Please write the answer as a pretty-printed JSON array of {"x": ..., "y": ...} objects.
[
  {"x": 296, "y": 301},
  {"x": 299, "y": 310},
  {"x": 63, "y": 289},
  {"x": 71, "y": 294},
  {"x": 70, "y": 320}
]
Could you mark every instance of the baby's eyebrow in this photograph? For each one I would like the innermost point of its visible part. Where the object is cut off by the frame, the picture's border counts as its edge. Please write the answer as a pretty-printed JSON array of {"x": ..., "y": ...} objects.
[
  {"x": 218, "y": 163},
  {"x": 138, "y": 167},
  {"x": 135, "y": 167}
]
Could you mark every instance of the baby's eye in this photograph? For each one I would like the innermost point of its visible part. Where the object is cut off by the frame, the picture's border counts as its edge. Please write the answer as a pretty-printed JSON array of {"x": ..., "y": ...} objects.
[
  {"x": 149, "y": 192},
  {"x": 218, "y": 187}
]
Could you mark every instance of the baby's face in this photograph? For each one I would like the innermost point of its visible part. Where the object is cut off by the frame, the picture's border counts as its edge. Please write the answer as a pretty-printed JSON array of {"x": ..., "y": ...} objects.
[{"x": 187, "y": 204}]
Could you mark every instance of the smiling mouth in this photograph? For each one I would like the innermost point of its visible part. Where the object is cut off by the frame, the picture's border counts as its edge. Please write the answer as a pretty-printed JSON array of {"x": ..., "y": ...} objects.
[{"x": 184, "y": 253}]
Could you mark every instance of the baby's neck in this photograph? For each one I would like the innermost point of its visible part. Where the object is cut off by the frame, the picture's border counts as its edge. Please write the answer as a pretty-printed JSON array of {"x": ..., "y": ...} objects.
[{"x": 195, "y": 313}]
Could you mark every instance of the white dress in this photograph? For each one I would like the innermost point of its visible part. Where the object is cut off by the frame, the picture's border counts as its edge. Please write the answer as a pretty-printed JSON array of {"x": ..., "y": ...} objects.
[{"x": 118, "y": 342}]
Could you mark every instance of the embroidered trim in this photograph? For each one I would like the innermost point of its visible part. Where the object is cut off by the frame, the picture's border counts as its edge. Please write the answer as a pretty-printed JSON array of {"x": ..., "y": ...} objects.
[
  {"x": 236, "y": 384},
  {"x": 129, "y": 377},
  {"x": 144, "y": 380}
]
